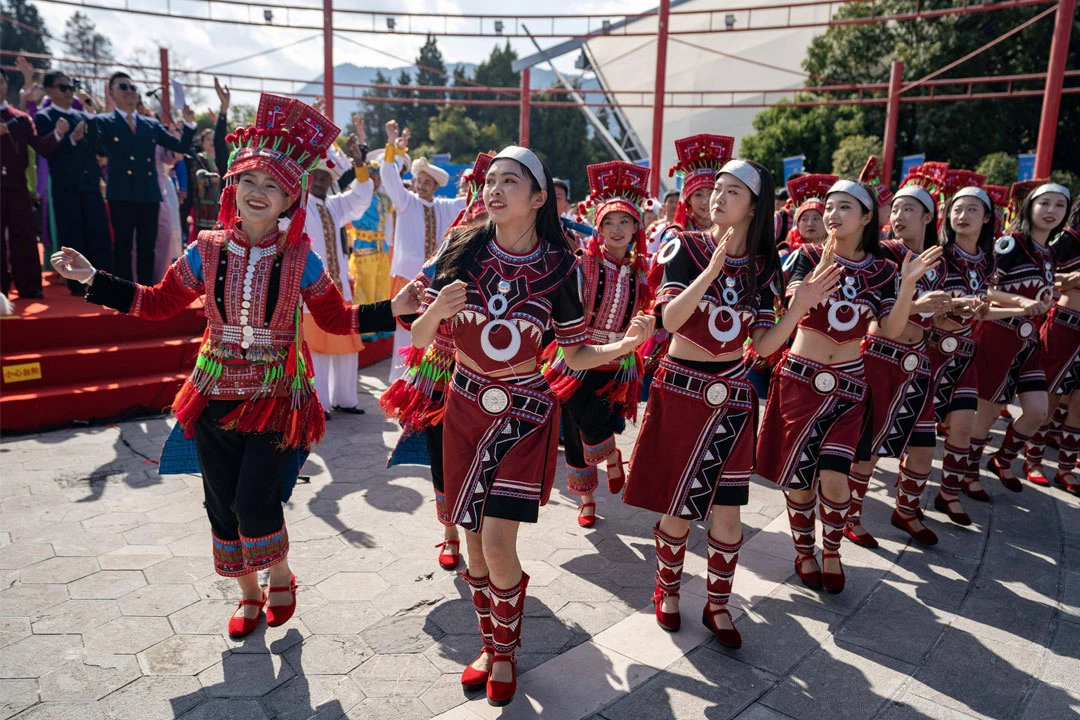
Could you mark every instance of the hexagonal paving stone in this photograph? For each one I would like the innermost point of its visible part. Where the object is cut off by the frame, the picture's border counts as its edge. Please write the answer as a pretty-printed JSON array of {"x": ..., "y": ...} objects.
[
  {"x": 153, "y": 697},
  {"x": 404, "y": 599},
  {"x": 407, "y": 634},
  {"x": 313, "y": 697},
  {"x": 107, "y": 584},
  {"x": 13, "y": 557},
  {"x": 13, "y": 629},
  {"x": 127, "y": 635},
  {"x": 179, "y": 570},
  {"x": 58, "y": 570},
  {"x": 576, "y": 562},
  {"x": 182, "y": 655},
  {"x": 90, "y": 679},
  {"x": 82, "y": 543},
  {"x": 63, "y": 711},
  {"x": 245, "y": 675},
  {"x": 205, "y": 617},
  {"x": 155, "y": 533},
  {"x": 227, "y": 709},
  {"x": 216, "y": 587},
  {"x": 157, "y": 600},
  {"x": 341, "y": 618},
  {"x": 266, "y": 639},
  {"x": 74, "y": 616},
  {"x": 16, "y": 695},
  {"x": 133, "y": 557},
  {"x": 328, "y": 655},
  {"x": 389, "y": 709},
  {"x": 36, "y": 655},
  {"x": 455, "y": 617},
  {"x": 194, "y": 545},
  {"x": 400, "y": 676},
  {"x": 25, "y": 600},
  {"x": 352, "y": 586},
  {"x": 115, "y": 521}
]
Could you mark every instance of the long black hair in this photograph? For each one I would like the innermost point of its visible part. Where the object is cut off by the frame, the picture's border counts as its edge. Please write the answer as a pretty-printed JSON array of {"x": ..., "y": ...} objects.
[
  {"x": 466, "y": 241},
  {"x": 930, "y": 233},
  {"x": 986, "y": 232},
  {"x": 1022, "y": 225},
  {"x": 761, "y": 235}
]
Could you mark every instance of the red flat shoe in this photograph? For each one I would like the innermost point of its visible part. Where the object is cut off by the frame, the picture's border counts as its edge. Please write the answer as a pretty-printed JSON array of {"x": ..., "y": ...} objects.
[
  {"x": 586, "y": 521},
  {"x": 473, "y": 679},
  {"x": 1035, "y": 476},
  {"x": 1062, "y": 479},
  {"x": 728, "y": 637},
  {"x": 280, "y": 614},
  {"x": 833, "y": 582},
  {"x": 866, "y": 540},
  {"x": 960, "y": 518},
  {"x": 1005, "y": 412},
  {"x": 980, "y": 494},
  {"x": 239, "y": 626},
  {"x": 1011, "y": 483},
  {"x": 925, "y": 536},
  {"x": 449, "y": 556},
  {"x": 668, "y": 621},
  {"x": 501, "y": 693},
  {"x": 810, "y": 579},
  {"x": 615, "y": 482}
]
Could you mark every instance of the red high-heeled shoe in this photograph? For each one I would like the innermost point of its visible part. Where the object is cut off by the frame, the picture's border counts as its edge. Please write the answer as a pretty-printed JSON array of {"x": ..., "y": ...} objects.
[
  {"x": 668, "y": 621},
  {"x": 833, "y": 582},
  {"x": 586, "y": 521},
  {"x": 615, "y": 482},
  {"x": 1062, "y": 479},
  {"x": 1011, "y": 483},
  {"x": 1034, "y": 474},
  {"x": 925, "y": 536},
  {"x": 280, "y": 614},
  {"x": 473, "y": 679},
  {"x": 728, "y": 637},
  {"x": 959, "y": 517},
  {"x": 501, "y": 693},
  {"x": 239, "y": 625},
  {"x": 810, "y": 579},
  {"x": 449, "y": 555}
]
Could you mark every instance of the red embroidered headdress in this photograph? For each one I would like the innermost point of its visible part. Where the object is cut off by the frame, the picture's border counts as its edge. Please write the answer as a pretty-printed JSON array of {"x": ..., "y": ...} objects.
[
  {"x": 287, "y": 141},
  {"x": 473, "y": 179},
  {"x": 700, "y": 158},
  {"x": 1018, "y": 193},
  {"x": 808, "y": 192},
  {"x": 871, "y": 175},
  {"x": 617, "y": 186}
]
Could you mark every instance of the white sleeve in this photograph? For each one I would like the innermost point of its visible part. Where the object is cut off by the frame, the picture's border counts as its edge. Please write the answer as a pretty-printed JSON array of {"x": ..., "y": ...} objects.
[
  {"x": 394, "y": 188},
  {"x": 351, "y": 204}
]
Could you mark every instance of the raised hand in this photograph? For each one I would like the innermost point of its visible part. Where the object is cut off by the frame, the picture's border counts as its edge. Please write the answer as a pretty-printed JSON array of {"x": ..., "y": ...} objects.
[
  {"x": 403, "y": 141},
  {"x": 359, "y": 129},
  {"x": 224, "y": 96},
  {"x": 71, "y": 265},
  {"x": 450, "y": 302},
  {"x": 23, "y": 66},
  {"x": 828, "y": 251},
  {"x": 319, "y": 104},
  {"x": 915, "y": 266},
  {"x": 408, "y": 299},
  {"x": 392, "y": 132},
  {"x": 816, "y": 288},
  {"x": 188, "y": 114},
  {"x": 353, "y": 149},
  {"x": 719, "y": 256}
]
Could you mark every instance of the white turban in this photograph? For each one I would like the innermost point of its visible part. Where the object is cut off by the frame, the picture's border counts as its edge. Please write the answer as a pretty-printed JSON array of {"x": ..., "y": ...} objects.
[{"x": 440, "y": 176}]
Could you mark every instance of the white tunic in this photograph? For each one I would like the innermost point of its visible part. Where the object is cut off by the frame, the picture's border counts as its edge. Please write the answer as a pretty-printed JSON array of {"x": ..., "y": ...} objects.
[{"x": 343, "y": 209}]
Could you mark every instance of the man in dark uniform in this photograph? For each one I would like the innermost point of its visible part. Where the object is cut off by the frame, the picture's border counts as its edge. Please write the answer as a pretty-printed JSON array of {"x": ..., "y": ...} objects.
[
  {"x": 82, "y": 222},
  {"x": 18, "y": 237},
  {"x": 132, "y": 187}
]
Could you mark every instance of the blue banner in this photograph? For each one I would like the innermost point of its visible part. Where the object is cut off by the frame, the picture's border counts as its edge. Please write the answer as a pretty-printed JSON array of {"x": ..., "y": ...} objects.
[
  {"x": 793, "y": 164},
  {"x": 1025, "y": 166},
  {"x": 909, "y": 162}
]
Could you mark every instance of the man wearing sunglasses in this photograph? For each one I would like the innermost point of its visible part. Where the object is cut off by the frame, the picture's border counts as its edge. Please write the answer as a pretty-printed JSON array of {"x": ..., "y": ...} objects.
[
  {"x": 74, "y": 189},
  {"x": 132, "y": 187}
]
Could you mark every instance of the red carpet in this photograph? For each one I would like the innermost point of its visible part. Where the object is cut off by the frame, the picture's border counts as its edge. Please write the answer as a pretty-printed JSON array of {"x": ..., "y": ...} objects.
[{"x": 66, "y": 361}]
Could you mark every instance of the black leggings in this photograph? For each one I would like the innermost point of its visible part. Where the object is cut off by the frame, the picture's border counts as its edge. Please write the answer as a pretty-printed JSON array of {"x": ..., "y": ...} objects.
[{"x": 587, "y": 417}]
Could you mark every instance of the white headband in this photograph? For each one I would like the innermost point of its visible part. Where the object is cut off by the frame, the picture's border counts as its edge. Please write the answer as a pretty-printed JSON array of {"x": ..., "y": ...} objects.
[
  {"x": 920, "y": 194},
  {"x": 1051, "y": 188},
  {"x": 975, "y": 192},
  {"x": 745, "y": 172},
  {"x": 528, "y": 158},
  {"x": 855, "y": 190}
]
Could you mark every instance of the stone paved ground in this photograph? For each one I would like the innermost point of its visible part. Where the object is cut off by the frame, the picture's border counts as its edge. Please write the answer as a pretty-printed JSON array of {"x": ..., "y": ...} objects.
[{"x": 109, "y": 607}]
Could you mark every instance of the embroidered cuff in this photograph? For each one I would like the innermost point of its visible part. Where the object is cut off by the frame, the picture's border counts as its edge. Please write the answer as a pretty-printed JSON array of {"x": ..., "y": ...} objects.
[{"x": 111, "y": 291}]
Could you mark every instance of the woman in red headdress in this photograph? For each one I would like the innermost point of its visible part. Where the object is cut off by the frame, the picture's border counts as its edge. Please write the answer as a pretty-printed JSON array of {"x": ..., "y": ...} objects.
[
  {"x": 250, "y": 402},
  {"x": 614, "y": 290},
  {"x": 807, "y": 194}
]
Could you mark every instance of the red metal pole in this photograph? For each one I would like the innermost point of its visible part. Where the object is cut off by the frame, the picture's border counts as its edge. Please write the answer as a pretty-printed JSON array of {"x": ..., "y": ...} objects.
[
  {"x": 165, "y": 87},
  {"x": 1055, "y": 70},
  {"x": 658, "y": 98},
  {"x": 892, "y": 118},
  {"x": 526, "y": 108},
  {"x": 328, "y": 58}
]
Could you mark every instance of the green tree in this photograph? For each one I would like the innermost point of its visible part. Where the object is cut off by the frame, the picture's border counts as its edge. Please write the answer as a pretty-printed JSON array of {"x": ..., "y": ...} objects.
[
  {"x": 452, "y": 131},
  {"x": 87, "y": 47},
  {"x": 851, "y": 153},
  {"x": 25, "y": 35},
  {"x": 497, "y": 71},
  {"x": 376, "y": 114},
  {"x": 405, "y": 112},
  {"x": 562, "y": 137},
  {"x": 787, "y": 130},
  {"x": 1000, "y": 168},
  {"x": 430, "y": 71},
  {"x": 461, "y": 79}
]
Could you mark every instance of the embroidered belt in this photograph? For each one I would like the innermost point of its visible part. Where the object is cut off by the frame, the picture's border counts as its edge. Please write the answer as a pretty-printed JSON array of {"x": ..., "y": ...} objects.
[
  {"x": 1065, "y": 316},
  {"x": 825, "y": 379},
  {"x": 715, "y": 390},
  {"x": 261, "y": 337},
  {"x": 496, "y": 397},
  {"x": 909, "y": 358},
  {"x": 374, "y": 247},
  {"x": 953, "y": 343},
  {"x": 1024, "y": 328}
]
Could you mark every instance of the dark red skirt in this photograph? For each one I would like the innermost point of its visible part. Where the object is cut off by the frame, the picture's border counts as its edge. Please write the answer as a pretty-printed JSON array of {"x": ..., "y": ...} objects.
[
  {"x": 1060, "y": 340},
  {"x": 955, "y": 374},
  {"x": 695, "y": 448},
  {"x": 813, "y": 421},
  {"x": 1009, "y": 359},
  {"x": 500, "y": 446},
  {"x": 898, "y": 377}
]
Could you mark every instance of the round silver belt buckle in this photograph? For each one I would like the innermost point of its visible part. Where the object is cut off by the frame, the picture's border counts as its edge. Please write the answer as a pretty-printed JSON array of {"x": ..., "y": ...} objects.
[
  {"x": 824, "y": 382},
  {"x": 494, "y": 400},
  {"x": 910, "y": 362},
  {"x": 1025, "y": 330},
  {"x": 949, "y": 345},
  {"x": 716, "y": 394}
]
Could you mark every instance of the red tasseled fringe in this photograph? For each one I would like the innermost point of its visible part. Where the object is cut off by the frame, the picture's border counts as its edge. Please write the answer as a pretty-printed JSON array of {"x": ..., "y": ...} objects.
[
  {"x": 564, "y": 386},
  {"x": 549, "y": 354},
  {"x": 409, "y": 407},
  {"x": 187, "y": 406},
  {"x": 296, "y": 226},
  {"x": 300, "y": 427},
  {"x": 227, "y": 211},
  {"x": 411, "y": 356}
]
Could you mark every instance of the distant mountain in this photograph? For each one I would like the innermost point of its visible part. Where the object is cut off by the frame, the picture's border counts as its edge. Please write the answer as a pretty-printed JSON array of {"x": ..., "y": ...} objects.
[{"x": 349, "y": 73}]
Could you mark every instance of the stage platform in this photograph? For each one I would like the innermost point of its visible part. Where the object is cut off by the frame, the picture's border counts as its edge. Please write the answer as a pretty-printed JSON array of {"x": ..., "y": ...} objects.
[{"x": 68, "y": 362}]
